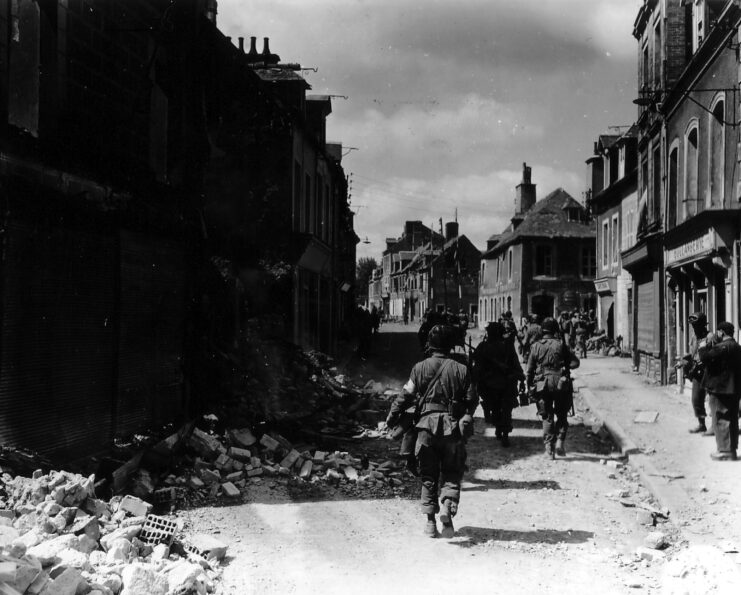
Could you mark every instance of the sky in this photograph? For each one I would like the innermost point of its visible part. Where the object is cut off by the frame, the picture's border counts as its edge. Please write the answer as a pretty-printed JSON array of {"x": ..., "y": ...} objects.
[{"x": 446, "y": 99}]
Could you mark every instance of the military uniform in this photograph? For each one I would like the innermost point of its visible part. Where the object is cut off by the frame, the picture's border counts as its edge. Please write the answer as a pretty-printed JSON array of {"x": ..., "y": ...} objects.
[
  {"x": 533, "y": 334},
  {"x": 549, "y": 357},
  {"x": 497, "y": 373},
  {"x": 440, "y": 447}
]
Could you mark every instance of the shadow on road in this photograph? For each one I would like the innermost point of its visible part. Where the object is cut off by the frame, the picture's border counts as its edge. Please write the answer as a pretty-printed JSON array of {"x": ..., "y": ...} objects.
[
  {"x": 475, "y": 536},
  {"x": 507, "y": 484}
]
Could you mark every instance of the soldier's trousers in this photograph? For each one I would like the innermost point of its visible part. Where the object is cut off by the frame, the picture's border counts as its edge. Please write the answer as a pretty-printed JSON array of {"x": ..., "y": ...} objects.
[
  {"x": 498, "y": 405},
  {"x": 441, "y": 460},
  {"x": 554, "y": 411},
  {"x": 726, "y": 421}
]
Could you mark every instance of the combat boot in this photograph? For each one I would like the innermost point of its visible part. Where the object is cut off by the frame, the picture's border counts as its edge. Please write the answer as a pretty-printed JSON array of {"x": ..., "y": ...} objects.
[
  {"x": 431, "y": 526},
  {"x": 550, "y": 451},
  {"x": 447, "y": 513},
  {"x": 505, "y": 440},
  {"x": 560, "y": 450}
]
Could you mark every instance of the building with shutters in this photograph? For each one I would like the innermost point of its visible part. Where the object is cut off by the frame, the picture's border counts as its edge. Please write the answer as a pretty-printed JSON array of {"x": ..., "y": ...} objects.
[
  {"x": 543, "y": 262},
  {"x": 150, "y": 219},
  {"x": 702, "y": 223},
  {"x": 612, "y": 198}
]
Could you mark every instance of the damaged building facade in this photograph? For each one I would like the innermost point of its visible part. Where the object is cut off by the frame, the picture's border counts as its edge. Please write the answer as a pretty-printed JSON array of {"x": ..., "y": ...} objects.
[{"x": 160, "y": 196}]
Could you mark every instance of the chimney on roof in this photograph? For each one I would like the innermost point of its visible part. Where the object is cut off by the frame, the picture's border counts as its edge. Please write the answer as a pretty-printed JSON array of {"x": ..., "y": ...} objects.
[
  {"x": 525, "y": 192},
  {"x": 241, "y": 44},
  {"x": 451, "y": 230},
  {"x": 266, "y": 56},
  {"x": 211, "y": 10}
]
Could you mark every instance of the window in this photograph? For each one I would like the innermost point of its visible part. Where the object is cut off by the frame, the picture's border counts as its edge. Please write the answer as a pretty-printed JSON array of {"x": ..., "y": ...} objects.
[
  {"x": 543, "y": 261},
  {"x": 646, "y": 64},
  {"x": 716, "y": 147},
  {"x": 615, "y": 239},
  {"x": 483, "y": 272},
  {"x": 698, "y": 24},
  {"x": 621, "y": 162},
  {"x": 672, "y": 194},
  {"x": 307, "y": 204},
  {"x": 690, "y": 171},
  {"x": 605, "y": 243},
  {"x": 509, "y": 256},
  {"x": 655, "y": 197},
  {"x": 588, "y": 263},
  {"x": 657, "y": 56},
  {"x": 297, "y": 196}
]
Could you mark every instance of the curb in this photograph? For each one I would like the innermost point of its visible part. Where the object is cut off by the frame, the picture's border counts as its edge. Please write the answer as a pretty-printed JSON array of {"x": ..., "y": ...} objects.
[
  {"x": 621, "y": 438},
  {"x": 670, "y": 497}
]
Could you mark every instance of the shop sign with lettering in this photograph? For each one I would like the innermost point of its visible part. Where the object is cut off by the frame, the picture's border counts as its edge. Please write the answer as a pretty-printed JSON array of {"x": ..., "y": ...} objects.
[
  {"x": 692, "y": 249},
  {"x": 602, "y": 286}
]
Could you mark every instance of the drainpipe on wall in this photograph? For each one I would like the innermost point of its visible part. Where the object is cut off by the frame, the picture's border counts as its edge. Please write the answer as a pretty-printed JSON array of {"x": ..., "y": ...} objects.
[{"x": 734, "y": 286}]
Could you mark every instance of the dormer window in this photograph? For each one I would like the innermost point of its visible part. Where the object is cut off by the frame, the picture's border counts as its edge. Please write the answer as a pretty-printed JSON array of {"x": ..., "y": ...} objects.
[{"x": 573, "y": 214}]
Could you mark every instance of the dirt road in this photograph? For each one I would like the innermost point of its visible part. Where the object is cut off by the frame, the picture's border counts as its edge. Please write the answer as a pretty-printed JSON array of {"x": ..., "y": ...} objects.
[{"x": 525, "y": 525}]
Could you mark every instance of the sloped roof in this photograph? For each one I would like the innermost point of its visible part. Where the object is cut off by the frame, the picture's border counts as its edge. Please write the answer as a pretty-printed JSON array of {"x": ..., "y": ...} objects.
[
  {"x": 607, "y": 140},
  {"x": 548, "y": 218}
]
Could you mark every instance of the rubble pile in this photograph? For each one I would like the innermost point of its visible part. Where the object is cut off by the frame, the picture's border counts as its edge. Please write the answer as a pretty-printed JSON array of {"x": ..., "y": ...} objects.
[
  {"x": 57, "y": 538},
  {"x": 212, "y": 467}
]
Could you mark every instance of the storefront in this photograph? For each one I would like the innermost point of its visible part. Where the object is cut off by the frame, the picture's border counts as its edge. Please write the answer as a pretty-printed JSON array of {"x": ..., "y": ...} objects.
[
  {"x": 700, "y": 275},
  {"x": 606, "y": 289},
  {"x": 643, "y": 262}
]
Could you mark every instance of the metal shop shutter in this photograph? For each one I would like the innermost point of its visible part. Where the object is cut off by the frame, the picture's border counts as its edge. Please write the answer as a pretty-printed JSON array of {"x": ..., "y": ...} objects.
[
  {"x": 153, "y": 310},
  {"x": 646, "y": 317},
  {"x": 57, "y": 360}
]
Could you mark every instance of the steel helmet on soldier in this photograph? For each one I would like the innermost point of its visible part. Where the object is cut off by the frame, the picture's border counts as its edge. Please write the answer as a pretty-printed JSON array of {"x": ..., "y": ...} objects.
[
  {"x": 534, "y": 318},
  {"x": 550, "y": 326},
  {"x": 440, "y": 338}
]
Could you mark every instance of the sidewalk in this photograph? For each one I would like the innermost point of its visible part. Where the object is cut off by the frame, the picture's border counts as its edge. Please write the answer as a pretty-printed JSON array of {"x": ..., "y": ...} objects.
[{"x": 702, "y": 495}]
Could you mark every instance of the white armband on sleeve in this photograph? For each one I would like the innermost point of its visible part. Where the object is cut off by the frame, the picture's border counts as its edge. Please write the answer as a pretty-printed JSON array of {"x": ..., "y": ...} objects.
[{"x": 409, "y": 387}]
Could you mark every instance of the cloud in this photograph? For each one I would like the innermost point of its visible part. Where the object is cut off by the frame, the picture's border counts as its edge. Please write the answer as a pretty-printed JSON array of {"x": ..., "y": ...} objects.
[
  {"x": 484, "y": 203},
  {"x": 414, "y": 139}
]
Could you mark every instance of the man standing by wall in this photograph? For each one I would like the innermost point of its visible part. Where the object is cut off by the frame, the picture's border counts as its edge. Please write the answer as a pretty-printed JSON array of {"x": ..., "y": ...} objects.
[{"x": 722, "y": 358}]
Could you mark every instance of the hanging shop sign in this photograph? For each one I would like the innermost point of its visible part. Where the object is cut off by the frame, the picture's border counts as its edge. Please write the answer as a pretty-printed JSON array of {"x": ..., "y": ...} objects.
[
  {"x": 604, "y": 286},
  {"x": 692, "y": 249}
]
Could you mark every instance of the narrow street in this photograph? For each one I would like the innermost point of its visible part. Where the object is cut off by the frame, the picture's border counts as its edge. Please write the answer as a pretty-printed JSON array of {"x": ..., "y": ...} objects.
[{"x": 526, "y": 524}]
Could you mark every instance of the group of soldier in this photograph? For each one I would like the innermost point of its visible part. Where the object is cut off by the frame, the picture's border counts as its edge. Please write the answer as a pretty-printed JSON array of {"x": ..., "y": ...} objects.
[{"x": 433, "y": 415}]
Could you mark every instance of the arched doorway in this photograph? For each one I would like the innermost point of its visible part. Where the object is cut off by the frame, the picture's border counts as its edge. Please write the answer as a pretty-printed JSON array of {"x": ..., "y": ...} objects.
[
  {"x": 611, "y": 321},
  {"x": 542, "y": 305}
]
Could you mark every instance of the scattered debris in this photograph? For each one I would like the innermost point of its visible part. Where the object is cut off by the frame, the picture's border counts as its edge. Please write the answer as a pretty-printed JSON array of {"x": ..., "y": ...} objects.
[{"x": 646, "y": 417}]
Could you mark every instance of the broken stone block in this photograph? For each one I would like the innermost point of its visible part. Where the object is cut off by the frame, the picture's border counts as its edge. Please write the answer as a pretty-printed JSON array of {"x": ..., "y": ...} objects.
[
  {"x": 254, "y": 472},
  {"x": 243, "y": 438},
  {"x": 160, "y": 552},
  {"x": 655, "y": 540},
  {"x": 118, "y": 551},
  {"x": 230, "y": 489},
  {"x": 290, "y": 459},
  {"x": 208, "y": 547},
  {"x": 305, "y": 469},
  {"x": 205, "y": 445},
  {"x": 236, "y": 476},
  {"x": 143, "y": 578},
  {"x": 7, "y": 571},
  {"x": 319, "y": 456},
  {"x": 26, "y": 573},
  {"x": 644, "y": 517},
  {"x": 66, "y": 583},
  {"x": 241, "y": 454},
  {"x": 195, "y": 482},
  {"x": 113, "y": 582},
  {"x": 208, "y": 476},
  {"x": 73, "y": 559},
  {"x": 351, "y": 473},
  {"x": 222, "y": 461},
  {"x": 269, "y": 443},
  {"x": 8, "y": 535},
  {"x": 182, "y": 576},
  {"x": 135, "y": 506},
  {"x": 47, "y": 551},
  {"x": 97, "y": 508},
  {"x": 651, "y": 555},
  {"x": 127, "y": 533}
]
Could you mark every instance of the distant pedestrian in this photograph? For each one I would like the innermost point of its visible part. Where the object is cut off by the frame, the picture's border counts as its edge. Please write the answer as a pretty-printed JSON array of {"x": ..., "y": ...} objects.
[
  {"x": 547, "y": 372},
  {"x": 722, "y": 379},
  {"x": 534, "y": 333},
  {"x": 375, "y": 319},
  {"x": 444, "y": 398},
  {"x": 694, "y": 371}
]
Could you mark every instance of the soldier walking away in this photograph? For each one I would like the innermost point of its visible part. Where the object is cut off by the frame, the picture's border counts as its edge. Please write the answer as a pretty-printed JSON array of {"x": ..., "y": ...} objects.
[
  {"x": 694, "y": 370},
  {"x": 722, "y": 380},
  {"x": 581, "y": 330},
  {"x": 497, "y": 371},
  {"x": 533, "y": 333},
  {"x": 444, "y": 399},
  {"x": 548, "y": 368}
]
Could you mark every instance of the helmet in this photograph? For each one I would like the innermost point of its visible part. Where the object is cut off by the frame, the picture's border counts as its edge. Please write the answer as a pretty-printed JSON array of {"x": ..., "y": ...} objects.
[
  {"x": 550, "y": 326},
  {"x": 698, "y": 318},
  {"x": 440, "y": 337},
  {"x": 534, "y": 318},
  {"x": 495, "y": 330}
]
